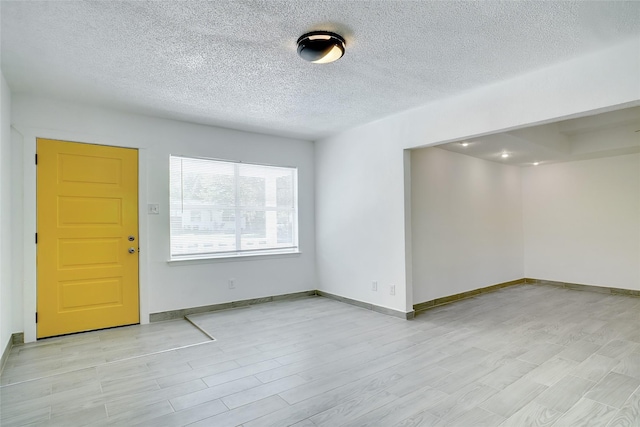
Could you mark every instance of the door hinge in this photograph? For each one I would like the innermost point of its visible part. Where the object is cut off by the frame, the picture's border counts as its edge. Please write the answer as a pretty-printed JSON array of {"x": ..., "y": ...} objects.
[
  {"x": 36, "y": 317},
  {"x": 36, "y": 238},
  {"x": 36, "y": 159}
]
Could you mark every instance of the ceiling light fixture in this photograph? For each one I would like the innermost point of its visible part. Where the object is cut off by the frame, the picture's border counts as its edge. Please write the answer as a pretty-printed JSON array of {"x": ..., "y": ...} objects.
[
  {"x": 321, "y": 47},
  {"x": 464, "y": 144},
  {"x": 505, "y": 155},
  {"x": 536, "y": 163}
]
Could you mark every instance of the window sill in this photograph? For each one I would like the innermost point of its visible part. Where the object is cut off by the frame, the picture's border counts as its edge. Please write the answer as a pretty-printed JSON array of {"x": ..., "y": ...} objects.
[{"x": 231, "y": 258}]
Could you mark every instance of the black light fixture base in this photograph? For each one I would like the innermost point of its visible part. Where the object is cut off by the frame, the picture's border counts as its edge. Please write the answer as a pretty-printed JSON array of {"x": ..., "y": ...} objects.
[{"x": 321, "y": 47}]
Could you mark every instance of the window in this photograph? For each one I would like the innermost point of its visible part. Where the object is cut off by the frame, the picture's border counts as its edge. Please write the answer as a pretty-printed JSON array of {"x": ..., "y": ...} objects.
[{"x": 221, "y": 209}]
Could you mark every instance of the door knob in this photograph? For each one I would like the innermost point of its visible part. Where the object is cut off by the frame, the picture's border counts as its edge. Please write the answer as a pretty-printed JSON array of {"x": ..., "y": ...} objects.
[
  {"x": 131, "y": 238},
  {"x": 132, "y": 251}
]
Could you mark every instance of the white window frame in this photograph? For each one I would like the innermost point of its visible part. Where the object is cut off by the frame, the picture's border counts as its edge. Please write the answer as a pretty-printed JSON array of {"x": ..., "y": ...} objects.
[{"x": 293, "y": 249}]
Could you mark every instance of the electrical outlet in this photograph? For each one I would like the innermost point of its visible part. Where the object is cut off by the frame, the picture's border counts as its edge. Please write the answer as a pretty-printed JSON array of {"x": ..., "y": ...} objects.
[
  {"x": 232, "y": 283},
  {"x": 374, "y": 286},
  {"x": 392, "y": 289}
]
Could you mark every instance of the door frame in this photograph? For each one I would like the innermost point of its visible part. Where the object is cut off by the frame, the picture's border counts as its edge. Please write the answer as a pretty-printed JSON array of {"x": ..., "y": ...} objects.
[{"x": 29, "y": 279}]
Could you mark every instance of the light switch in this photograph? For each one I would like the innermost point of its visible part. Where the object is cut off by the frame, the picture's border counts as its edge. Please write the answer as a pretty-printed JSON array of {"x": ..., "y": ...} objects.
[{"x": 153, "y": 208}]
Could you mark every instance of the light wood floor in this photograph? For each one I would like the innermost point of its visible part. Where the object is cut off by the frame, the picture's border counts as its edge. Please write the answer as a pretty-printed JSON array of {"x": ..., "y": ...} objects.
[{"x": 523, "y": 356}]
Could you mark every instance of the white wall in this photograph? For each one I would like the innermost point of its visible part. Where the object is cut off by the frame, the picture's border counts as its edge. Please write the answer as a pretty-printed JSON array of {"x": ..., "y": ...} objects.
[
  {"x": 177, "y": 285},
  {"x": 6, "y": 300},
  {"x": 360, "y": 221},
  {"x": 19, "y": 239},
  {"x": 466, "y": 222},
  {"x": 582, "y": 222},
  {"x": 360, "y": 199}
]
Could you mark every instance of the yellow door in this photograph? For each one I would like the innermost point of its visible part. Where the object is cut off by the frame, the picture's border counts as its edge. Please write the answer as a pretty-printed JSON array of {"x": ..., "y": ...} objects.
[{"x": 87, "y": 241}]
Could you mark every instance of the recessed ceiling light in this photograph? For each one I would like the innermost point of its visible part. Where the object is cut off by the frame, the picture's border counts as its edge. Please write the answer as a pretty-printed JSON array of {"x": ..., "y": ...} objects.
[
  {"x": 536, "y": 163},
  {"x": 321, "y": 47},
  {"x": 464, "y": 144},
  {"x": 504, "y": 155}
]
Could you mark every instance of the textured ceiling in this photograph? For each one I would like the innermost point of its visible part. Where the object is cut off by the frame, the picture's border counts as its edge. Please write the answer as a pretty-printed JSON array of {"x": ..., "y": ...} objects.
[
  {"x": 234, "y": 63},
  {"x": 603, "y": 135}
]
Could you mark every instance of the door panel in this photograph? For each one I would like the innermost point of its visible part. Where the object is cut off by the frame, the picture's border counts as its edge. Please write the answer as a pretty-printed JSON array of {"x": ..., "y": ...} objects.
[{"x": 87, "y": 198}]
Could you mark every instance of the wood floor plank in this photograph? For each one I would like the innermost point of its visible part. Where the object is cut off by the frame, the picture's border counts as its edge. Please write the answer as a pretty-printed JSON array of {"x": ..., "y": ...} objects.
[
  {"x": 397, "y": 410},
  {"x": 565, "y": 393},
  {"x": 514, "y": 397},
  {"x": 24, "y": 391},
  {"x": 138, "y": 415},
  {"x": 579, "y": 351},
  {"x": 418, "y": 379},
  {"x": 476, "y": 417},
  {"x": 551, "y": 371},
  {"x": 194, "y": 374},
  {"x": 87, "y": 394},
  {"x": 458, "y": 380},
  {"x": 613, "y": 390},
  {"x": 213, "y": 393},
  {"x": 421, "y": 419},
  {"x": 95, "y": 415},
  {"x": 617, "y": 349},
  {"x": 307, "y": 408},
  {"x": 262, "y": 391},
  {"x": 629, "y": 414},
  {"x": 352, "y": 409},
  {"x": 507, "y": 374},
  {"x": 587, "y": 413},
  {"x": 187, "y": 416},
  {"x": 629, "y": 365},
  {"x": 243, "y": 414},
  {"x": 27, "y": 417},
  {"x": 117, "y": 405},
  {"x": 463, "y": 400},
  {"x": 541, "y": 353},
  {"x": 241, "y": 372},
  {"x": 304, "y": 423},
  {"x": 595, "y": 367},
  {"x": 534, "y": 415}
]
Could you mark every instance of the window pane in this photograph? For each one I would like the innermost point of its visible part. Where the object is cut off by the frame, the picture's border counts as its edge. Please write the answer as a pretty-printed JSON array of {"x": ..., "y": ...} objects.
[
  {"x": 251, "y": 191},
  {"x": 284, "y": 190},
  {"x": 208, "y": 182},
  {"x": 175, "y": 187},
  {"x": 266, "y": 229},
  {"x": 266, "y": 186},
  {"x": 205, "y": 218},
  {"x": 200, "y": 231},
  {"x": 285, "y": 228},
  {"x": 254, "y": 230}
]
